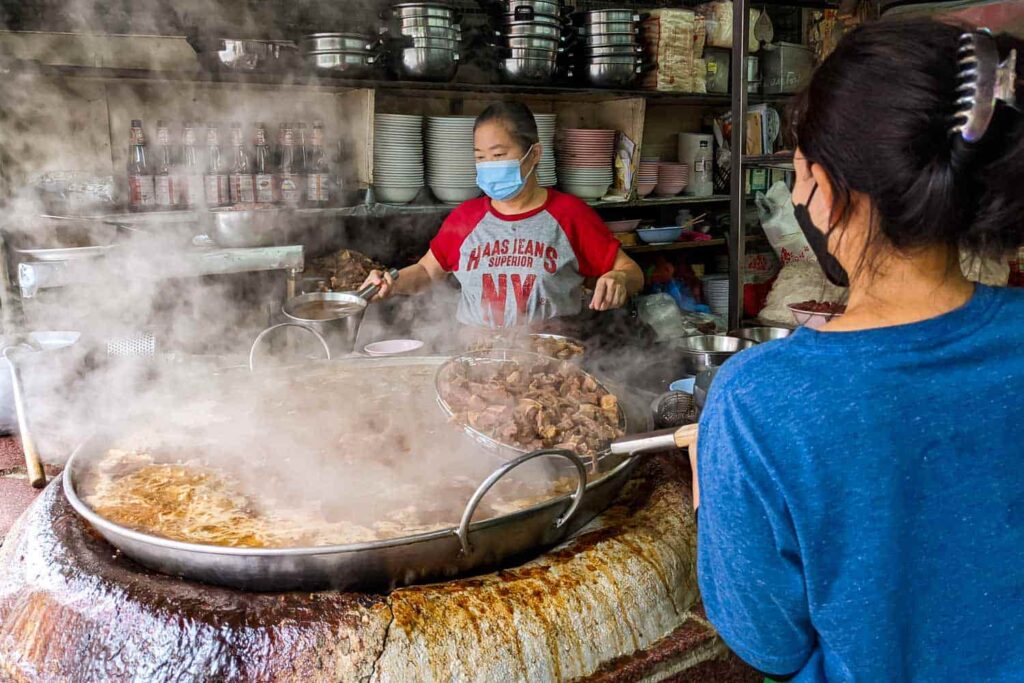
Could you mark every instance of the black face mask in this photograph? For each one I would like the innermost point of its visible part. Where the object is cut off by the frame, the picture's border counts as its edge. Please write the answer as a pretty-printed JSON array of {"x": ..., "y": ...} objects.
[{"x": 818, "y": 241}]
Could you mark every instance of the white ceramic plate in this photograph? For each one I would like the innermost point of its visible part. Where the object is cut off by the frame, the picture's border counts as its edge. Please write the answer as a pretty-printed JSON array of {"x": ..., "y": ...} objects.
[{"x": 393, "y": 347}]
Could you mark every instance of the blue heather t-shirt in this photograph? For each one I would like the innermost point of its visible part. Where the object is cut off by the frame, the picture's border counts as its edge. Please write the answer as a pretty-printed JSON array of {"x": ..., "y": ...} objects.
[{"x": 862, "y": 500}]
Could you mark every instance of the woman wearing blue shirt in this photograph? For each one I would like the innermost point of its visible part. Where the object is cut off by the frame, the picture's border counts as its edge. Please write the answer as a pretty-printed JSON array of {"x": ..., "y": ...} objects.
[{"x": 862, "y": 486}]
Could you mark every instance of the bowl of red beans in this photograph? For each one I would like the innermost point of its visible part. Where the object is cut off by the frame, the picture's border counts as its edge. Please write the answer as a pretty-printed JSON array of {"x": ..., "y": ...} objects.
[{"x": 814, "y": 314}]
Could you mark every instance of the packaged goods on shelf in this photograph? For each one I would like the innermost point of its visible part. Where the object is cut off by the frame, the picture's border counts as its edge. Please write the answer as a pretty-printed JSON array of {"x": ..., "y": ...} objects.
[
  {"x": 718, "y": 17},
  {"x": 673, "y": 40}
]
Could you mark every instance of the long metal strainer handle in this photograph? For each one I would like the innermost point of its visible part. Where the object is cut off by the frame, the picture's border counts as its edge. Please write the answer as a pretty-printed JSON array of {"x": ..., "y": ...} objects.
[
  {"x": 474, "y": 502},
  {"x": 33, "y": 464},
  {"x": 370, "y": 291}
]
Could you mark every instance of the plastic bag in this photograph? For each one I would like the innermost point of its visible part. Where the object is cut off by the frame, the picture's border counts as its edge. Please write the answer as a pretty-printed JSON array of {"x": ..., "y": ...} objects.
[{"x": 775, "y": 209}]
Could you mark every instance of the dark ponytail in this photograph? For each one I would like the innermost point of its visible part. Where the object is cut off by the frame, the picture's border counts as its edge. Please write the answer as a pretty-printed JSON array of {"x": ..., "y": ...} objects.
[{"x": 877, "y": 115}]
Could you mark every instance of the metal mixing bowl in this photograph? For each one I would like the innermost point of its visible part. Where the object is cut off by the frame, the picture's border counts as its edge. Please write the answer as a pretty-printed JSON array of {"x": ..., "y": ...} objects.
[
  {"x": 706, "y": 351},
  {"x": 529, "y": 70},
  {"x": 612, "y": 72},
  {"x": 761, "y": 334},
  {"x": 349, "y": 64},
  {"x": 245, "y": 55},
  {"x": 427, "y": 63}
]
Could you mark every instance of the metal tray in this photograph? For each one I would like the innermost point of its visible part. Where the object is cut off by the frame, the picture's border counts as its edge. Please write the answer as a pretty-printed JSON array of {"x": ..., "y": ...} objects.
[{"x": 66, "y": 254}]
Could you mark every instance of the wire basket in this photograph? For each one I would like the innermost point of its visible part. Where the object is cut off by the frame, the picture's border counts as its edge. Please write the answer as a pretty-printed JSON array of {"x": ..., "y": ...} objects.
[{"x": 481, "y": 359}]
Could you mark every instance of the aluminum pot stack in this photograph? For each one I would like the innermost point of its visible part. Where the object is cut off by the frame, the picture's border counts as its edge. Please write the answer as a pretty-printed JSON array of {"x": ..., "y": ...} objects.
[
  {"x": 348, "y": 55},
  {"x": 531, "y": 36},
  {"x": 608, "y": 53},
  {"x": 423, "y": 40}
]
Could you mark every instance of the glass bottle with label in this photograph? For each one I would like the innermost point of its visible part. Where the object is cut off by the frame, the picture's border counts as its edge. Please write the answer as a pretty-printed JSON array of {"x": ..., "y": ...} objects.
[
  {"x": 163, "y": 175},
  {"x": 216, "y": 177},
  {"x": 288, "y": 172},
  {"x": 140, "y": 176},
  {"x": 319, "y": 178},
  {"x": 243, "y": 187},
  {"x": 263, "y": 167},
  {"x": 190, "y": 172}
]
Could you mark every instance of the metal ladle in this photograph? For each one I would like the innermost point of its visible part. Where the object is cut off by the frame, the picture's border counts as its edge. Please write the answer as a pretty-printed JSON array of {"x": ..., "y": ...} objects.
[{"x": 33, "y": 465}]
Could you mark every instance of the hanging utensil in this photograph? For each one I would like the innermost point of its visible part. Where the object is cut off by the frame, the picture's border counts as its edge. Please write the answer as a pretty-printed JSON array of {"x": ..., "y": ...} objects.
[
  {"x": 764, "y": 32},
  {"x": 33, "y": 465}
]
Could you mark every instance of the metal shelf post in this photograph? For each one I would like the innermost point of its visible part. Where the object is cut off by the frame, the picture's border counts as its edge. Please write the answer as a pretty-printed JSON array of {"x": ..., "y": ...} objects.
[{"x": 737, "y": 231}]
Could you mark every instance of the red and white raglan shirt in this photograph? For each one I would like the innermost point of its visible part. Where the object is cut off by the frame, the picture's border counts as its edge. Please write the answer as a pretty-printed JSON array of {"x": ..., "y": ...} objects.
[{"x": 523, "y": 268}]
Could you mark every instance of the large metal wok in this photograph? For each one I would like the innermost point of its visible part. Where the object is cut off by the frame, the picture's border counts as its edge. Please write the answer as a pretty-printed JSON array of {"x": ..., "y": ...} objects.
[{"x": 471, "y": 546}]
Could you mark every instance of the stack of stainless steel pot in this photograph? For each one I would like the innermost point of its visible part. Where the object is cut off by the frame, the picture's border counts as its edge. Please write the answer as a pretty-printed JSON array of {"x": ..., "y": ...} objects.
[
  {"x": 425, "y": 40},
  {"x": 608, "y": 52},
  {"x": 531, "y": 40},
  {"x": 350, "y": 55}
]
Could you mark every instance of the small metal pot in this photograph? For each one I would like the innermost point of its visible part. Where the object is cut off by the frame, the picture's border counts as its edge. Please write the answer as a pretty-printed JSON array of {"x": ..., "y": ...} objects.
[
  {"x": 443, "y": 32},
  {"x": 609, "y": 39},
  {"x": 526, "y": 13},
  {"x": 348, "y": 64},
  {"x": 530, "y": 29},
  {"x": 614, "y": 51},
  {"x": 530, "y": 54},
  {"x": 527, "y": 71},
  {"x": 412, "y": 10},
  {"x": 534, "y": 43},
  {"x": 605, "y": 16},
  {"x": 427, "y": 22},
  {"x": 336, "y": 42},
  {"x": 339, "y": 332},
  {"x": 426, "y": 63},
  {"x": 610, "y": 27},
  {"x": 549, "y": 7},
  {"x": 533, "y": 18},
  {"x": 706, "y": 351},
  {"x": 439, "y": 43}
]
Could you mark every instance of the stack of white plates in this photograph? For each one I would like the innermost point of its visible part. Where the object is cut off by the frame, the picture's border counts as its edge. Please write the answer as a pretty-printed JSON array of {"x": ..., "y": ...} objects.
[
  {"x": 716, "y": 292},
  {"x": 585, "y": 161},
  {"x": 546, "y": 174},
  {"x": 451, "y": 165},
  {"x": 397, "y": 157}
]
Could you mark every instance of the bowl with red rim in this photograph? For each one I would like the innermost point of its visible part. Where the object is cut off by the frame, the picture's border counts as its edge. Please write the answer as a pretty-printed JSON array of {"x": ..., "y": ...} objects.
[{"x": 813, "y": 314}]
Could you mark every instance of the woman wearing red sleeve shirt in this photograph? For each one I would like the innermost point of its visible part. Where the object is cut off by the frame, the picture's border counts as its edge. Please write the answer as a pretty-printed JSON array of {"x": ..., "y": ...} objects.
[{"x": 522, "y": 252}]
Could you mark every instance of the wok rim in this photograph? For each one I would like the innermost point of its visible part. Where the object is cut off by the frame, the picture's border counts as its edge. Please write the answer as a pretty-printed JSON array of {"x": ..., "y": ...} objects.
[{"x": 104, "y": 525}]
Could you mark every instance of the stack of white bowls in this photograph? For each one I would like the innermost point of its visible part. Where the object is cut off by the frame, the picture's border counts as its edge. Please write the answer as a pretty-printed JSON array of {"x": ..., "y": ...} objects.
[
  {"x": 716, "y": 292},
  {"x": 585, "y": 161},
  {"x": 546, "y": 174},
  {"x": 397, "y": 157},
  {"x": 451, "y": 164}
]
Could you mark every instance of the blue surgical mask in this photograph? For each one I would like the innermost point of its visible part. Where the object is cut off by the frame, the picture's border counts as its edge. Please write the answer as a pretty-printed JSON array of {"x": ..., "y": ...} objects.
[{"x": 501, "y": 180}]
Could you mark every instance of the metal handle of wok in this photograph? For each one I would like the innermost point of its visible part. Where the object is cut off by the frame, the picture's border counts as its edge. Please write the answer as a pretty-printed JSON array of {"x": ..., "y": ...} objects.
[
  {"x": 264, "y": 333},
  {"x": 581, "y": 484}
]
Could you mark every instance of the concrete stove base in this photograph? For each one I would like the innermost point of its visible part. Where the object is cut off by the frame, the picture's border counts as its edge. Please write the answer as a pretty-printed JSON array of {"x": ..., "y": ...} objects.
[{"x": 614, "y": 603}]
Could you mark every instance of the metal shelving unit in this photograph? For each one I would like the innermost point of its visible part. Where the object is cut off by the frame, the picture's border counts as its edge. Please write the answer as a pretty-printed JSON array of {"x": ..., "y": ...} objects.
[{"x": 740, "y": 161}]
